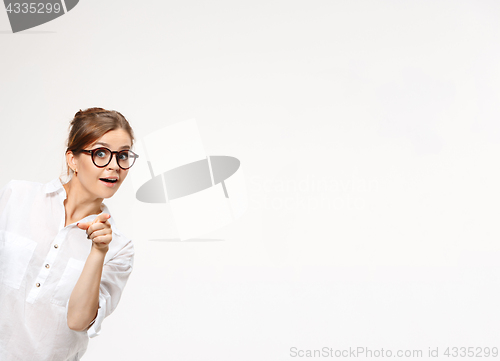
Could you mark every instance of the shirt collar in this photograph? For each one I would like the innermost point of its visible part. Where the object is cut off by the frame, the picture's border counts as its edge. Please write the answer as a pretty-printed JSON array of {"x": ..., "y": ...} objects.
[
  {"x": 56, "y": 185},
  {"x": 53, "y": 186}
]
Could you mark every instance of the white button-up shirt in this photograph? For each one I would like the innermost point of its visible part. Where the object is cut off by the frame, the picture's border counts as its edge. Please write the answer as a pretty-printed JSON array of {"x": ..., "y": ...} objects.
[{"x": 40, "y": 263}]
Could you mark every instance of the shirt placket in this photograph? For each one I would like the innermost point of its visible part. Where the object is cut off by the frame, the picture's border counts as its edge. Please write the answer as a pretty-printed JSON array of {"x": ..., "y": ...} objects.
[{"x": 55, "y": 249}]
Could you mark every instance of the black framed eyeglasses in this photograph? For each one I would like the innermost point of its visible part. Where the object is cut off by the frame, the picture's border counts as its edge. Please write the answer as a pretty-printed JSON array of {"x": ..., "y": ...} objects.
[{"x": 102, "y": 157}]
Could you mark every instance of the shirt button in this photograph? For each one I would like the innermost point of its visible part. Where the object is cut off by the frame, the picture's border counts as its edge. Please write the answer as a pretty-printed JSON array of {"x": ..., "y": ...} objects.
[
  {"x": 55, "y": 246},
  {"x": 47, "y": 265},
  {"x": 38, "y": 284}
]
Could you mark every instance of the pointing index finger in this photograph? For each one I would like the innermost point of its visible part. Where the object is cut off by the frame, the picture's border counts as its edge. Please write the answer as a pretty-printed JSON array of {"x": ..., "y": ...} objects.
[{"x": 103, "y": 217}]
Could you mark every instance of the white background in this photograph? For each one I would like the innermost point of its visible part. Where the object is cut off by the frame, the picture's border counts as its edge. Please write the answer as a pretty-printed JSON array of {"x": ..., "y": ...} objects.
[{"x": 369, "y": 137}]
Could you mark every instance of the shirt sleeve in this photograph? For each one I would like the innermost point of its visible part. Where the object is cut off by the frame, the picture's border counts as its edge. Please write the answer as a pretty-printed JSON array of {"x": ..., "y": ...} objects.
[
  {"x": 5, "y": 193},
  {"x": 115, "y": 274}
]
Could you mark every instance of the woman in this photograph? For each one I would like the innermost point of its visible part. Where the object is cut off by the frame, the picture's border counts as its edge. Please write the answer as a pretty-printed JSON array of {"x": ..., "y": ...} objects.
[{"x": 63, "y": 262}]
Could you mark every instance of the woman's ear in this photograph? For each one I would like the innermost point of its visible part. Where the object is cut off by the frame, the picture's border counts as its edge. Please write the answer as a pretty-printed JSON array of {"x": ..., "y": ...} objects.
[{"x": 70, "y": 160}]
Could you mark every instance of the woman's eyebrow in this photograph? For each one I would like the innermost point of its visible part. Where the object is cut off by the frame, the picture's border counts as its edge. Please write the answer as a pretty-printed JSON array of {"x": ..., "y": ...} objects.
[{"x": 107, "y": 145}]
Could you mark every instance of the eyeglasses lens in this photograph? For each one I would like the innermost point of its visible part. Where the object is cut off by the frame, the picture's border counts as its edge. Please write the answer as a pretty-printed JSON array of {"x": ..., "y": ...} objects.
[
  {"x": 125, "y": 160},
  {"x": 103, "y": 156}
]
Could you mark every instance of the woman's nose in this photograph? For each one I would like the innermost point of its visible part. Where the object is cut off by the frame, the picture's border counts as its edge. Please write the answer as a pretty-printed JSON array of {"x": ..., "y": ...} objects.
[{"x": 114, "y": 162}]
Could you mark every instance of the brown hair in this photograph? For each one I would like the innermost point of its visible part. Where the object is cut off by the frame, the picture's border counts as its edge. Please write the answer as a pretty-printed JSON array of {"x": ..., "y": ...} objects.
[{"x": 89, "y": 125}]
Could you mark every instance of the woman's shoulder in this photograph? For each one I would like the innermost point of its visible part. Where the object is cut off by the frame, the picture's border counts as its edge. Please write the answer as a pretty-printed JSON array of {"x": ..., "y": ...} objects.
[
  {"x": 114, "y": 227},
  {"x": 20, "y": 190},
  {"x": 18, "y": 193},
  {"x": 120, "y": 240},
  {"x": 121, "y": 247},
  {"x": 22, "y": 185}
]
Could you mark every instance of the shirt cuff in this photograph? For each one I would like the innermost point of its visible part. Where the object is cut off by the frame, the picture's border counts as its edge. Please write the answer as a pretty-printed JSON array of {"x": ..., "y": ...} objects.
[{"x": 95, "y": 327}]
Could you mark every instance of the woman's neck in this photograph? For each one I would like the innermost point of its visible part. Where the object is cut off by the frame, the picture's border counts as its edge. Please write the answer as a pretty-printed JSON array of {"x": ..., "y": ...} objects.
[{"x": 79, "y": 203}]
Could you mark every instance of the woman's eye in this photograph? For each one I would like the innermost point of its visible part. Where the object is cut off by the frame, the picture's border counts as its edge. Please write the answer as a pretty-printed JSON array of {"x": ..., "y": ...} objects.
[
  {"x": 100, "y": 154},
  {"x": 123, "y": 156}
]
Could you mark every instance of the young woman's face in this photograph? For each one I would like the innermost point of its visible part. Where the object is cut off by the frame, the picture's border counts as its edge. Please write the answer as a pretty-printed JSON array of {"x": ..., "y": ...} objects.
[{"x": 91, "y": 176}]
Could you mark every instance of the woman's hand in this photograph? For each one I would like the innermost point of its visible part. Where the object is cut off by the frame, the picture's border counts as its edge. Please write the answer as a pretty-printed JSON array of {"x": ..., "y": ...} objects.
[{"x": 99, "y": 231}]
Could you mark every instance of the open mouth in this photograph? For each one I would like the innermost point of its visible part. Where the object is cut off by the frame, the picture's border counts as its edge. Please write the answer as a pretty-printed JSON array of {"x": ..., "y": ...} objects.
[{"x": 109, "y": 180}]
